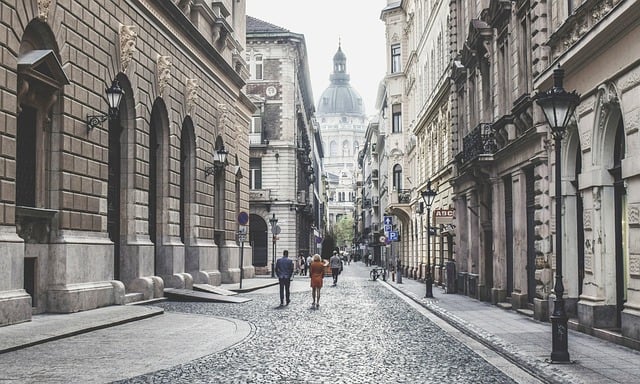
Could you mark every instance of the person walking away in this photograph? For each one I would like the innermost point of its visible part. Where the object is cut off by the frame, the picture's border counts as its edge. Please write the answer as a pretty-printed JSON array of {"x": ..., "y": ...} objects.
[
  {"x": 305, "y": 265},
  {"x": 284, "y": 271},
  {"x": 316, "y": 272},
  {"x": 335, "y": 263},
  {"x": 370, "y": 257}
]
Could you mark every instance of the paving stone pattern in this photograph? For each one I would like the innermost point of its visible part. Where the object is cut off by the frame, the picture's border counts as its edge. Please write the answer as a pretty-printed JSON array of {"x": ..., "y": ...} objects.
[{"x": 362, "y": 333}]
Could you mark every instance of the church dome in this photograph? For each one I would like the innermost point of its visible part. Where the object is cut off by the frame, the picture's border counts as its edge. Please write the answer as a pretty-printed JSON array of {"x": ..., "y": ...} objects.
[{"x": 340, "y": 97}]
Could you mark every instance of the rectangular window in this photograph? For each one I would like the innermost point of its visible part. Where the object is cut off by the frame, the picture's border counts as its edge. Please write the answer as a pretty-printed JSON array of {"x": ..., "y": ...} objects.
[
  {"x": 255, "y": 173},
  {"x": 256, "y": 124},
  {"x": 257, "y": 73},
  {"x": 396, "y": 118},
  {"x": 395, "y": 58}
]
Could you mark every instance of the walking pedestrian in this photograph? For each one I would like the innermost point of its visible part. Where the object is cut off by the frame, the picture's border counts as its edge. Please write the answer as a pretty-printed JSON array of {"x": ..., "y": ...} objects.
[
  {"x": 316, "y": 272},
  {"x": 284, "y": 271},
  {"x": 370, "y": 258},
  {"x": 305, "y": 265},
  {"x": 335, "y": 263}
]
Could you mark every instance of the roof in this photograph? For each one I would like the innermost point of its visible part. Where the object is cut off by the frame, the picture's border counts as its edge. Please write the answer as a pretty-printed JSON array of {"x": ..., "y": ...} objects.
[{"x": 257, "y": 26}]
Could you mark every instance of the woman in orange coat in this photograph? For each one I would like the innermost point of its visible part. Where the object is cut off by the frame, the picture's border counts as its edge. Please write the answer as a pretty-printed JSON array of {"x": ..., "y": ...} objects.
[{"x": 316, "y": 271}]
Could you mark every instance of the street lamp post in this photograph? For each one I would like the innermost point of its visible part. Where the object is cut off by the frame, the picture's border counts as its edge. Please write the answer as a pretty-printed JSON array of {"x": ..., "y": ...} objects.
[
  {"x": 558, "y": 106},
  {"x": 428, "y": 196},
  {"x": 273, "y": 221}
]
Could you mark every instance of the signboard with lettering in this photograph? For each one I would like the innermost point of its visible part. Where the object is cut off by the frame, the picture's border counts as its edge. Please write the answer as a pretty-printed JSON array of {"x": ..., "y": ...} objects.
[{"x": 443, "y": 216}]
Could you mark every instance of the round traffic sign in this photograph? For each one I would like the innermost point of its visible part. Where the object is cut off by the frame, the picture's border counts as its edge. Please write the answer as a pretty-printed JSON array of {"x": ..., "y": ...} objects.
[
  {"x": 243, "y": 218},
  {"x": 383, "y": 239}
]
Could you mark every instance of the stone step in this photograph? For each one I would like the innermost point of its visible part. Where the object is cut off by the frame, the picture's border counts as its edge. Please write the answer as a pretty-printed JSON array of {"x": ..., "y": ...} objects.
[
  {"x": 525, "y": 311},
  {"x": 506, "y": 306},
  {"x": 133, "y": 297}
]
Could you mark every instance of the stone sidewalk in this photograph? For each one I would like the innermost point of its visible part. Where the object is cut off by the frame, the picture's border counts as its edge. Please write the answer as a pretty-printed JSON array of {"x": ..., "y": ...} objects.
[{"x": 527, "y": 342}]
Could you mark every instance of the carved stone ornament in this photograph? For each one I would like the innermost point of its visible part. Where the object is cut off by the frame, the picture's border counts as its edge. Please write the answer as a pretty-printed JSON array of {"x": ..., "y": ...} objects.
[
  {"x": 43, "y": 9},
  {"x": 223, "y": 117},
  {"x": 633, "y": 215},
  {"x": 607, "y": 100},
  {"x": 191, "y": 95},
  {"x": 163, "y": 73},
  {"x": 128, "y": 38}
]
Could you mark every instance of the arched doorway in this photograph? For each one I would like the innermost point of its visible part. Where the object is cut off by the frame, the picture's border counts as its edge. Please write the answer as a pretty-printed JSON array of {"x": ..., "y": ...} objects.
[
  {"x": 620, "y": 220},
  {"x": 116, "y": 178},
  {"x": 158, "y": 183},
  {"x": 258, "y": 238},
  {"x": 187, "y": 170}
]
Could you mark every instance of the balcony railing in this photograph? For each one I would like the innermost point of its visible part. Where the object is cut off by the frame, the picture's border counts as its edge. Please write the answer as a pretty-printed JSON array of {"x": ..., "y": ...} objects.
[
  {"x": 480, "y": 141},
  {"x": 404, "y": 196},
  {"x": 260, "y": 195}
]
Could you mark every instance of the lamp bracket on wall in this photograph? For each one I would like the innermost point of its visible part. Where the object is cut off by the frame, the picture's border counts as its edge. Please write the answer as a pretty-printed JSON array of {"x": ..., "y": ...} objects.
[
  {"x": 114, "y": 96},
  {"x": 219, "y": 161}
]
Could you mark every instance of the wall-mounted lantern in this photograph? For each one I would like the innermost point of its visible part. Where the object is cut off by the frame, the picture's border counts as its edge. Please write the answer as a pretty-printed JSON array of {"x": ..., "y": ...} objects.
[
  {"x": 219, "y": 161},
  {"x": 114, "y": 96}
]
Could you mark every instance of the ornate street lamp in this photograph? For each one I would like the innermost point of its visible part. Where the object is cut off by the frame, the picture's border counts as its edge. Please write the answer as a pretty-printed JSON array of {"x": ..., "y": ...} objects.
[
  {"x": 273, "y": 221},
  {"x": 558, "y": 106},
  {"x": 114, "y": 96},
  {"x": 428, "y": 196},
  {"x": 219, "y": 161}
]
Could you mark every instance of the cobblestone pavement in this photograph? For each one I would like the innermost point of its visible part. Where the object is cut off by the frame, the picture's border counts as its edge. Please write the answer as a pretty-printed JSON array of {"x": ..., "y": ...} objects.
[{"x": 362, "y": 333}]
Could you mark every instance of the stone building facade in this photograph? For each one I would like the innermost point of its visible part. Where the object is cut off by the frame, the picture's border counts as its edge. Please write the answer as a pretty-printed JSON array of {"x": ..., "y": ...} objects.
[
  {"x": 106, "y": 213},
  {"x": 417, "y": 130},
  {"x": 342, "y": 120},
  {"x": 505, "y": 53},
  {"x": 284, "y": 161}
]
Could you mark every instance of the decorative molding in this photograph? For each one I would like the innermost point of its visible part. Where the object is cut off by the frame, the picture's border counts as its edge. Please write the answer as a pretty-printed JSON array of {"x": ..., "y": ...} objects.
[
  {"x": 587, "y": 215},
  {"x": 633, "y": 215},
  {"x": 43, "y": 9},
  {"x": 191, "y": 95},
  {"x": 128, "y": 37},
  {"x": 163, "y": 73},
  {"x": 222, "y": 118},
  {"x": 606, "y": 100},
  {"x": 634, "y": 264}
]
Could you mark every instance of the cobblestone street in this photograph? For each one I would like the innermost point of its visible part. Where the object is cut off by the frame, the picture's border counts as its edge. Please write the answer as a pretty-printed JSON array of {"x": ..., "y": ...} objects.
[{"x": 363, "y": 332}]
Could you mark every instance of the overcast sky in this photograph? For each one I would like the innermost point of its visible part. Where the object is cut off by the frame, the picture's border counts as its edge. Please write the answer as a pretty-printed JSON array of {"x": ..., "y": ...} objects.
[{"x": 355, "y": 23}]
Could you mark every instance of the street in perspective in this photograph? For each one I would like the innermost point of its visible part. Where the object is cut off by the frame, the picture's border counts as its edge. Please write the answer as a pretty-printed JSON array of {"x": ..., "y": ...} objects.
[{"x": 362, "y": 332}]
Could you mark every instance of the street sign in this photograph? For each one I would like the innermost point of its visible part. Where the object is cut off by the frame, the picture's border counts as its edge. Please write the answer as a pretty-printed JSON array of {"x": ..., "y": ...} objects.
[
  {"x": 387, "y": 228},
  {"x": 276, "y": 229},
  {"x": 393, "y": 235},
  {"x": 443, "y": 216},
  {"x": 383, "y": 239},
  {"x": 243, "y": 218},
  {"x": 388, "y": 220}
]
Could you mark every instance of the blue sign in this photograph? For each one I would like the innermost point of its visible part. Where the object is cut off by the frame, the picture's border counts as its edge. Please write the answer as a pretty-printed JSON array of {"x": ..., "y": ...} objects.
[
  {"x": 388, "y": 220},
  {"x": 387, "y": 228},
  {"x": 393, "y": 236},
  {"x": 243, "y": 218}
]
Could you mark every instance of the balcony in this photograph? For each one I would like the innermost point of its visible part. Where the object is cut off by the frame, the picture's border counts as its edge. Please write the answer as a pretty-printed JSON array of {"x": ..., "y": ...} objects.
[
  {"x": 480, "y": 141},
  {"x": 257, "y": 139},
  {"x": 260, "y": 195},
  {"x": 404, "y": 196}
]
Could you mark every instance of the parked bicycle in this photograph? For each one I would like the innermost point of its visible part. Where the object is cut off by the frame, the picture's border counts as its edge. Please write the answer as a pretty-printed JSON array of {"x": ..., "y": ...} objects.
[{"x": 378, "y": 272}]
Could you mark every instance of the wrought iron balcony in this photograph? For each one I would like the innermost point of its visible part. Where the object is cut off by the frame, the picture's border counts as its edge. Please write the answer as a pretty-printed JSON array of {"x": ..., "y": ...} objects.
[
  {"x": 480, "y": 141},
  {"x": 404, "y": 196}
]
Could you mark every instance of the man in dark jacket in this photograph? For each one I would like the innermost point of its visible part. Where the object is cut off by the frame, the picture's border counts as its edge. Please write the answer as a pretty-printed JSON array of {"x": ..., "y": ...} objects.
[{"x": 284, "y": 271}]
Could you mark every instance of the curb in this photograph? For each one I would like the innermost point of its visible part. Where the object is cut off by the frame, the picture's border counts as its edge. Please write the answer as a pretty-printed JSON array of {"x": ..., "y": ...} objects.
[{"x": 507, "y": 351}]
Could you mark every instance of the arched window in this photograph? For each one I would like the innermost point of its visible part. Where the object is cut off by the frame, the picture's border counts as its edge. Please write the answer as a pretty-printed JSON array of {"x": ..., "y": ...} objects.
[
  {"x": 333, "y": 148},
  {"x": 397, "y": 177},
  {"x": 345, "y": 148}
]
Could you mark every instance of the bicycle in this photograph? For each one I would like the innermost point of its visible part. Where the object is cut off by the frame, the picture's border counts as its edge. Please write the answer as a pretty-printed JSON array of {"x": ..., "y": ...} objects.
[{"x": 378, "y": 272}]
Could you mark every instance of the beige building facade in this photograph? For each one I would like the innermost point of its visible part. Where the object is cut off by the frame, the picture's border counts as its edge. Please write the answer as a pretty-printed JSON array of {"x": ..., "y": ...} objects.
[
  {"x": 114, "y": 211},
  {"x": 284, "y": 161}
]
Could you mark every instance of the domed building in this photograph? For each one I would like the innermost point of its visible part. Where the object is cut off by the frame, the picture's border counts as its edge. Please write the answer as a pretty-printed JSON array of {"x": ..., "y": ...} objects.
[{"x": 343, "y": 123}]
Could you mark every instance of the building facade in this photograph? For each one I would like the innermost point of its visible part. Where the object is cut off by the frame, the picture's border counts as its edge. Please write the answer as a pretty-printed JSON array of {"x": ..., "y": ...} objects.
[
  {"x": 342, "y": 120},
  {"x": 101, "y": 210},
  {"x": 506, "y": 53},
  {"x": 284, "y": 166},
  {"x": 417, "y": 130}
]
